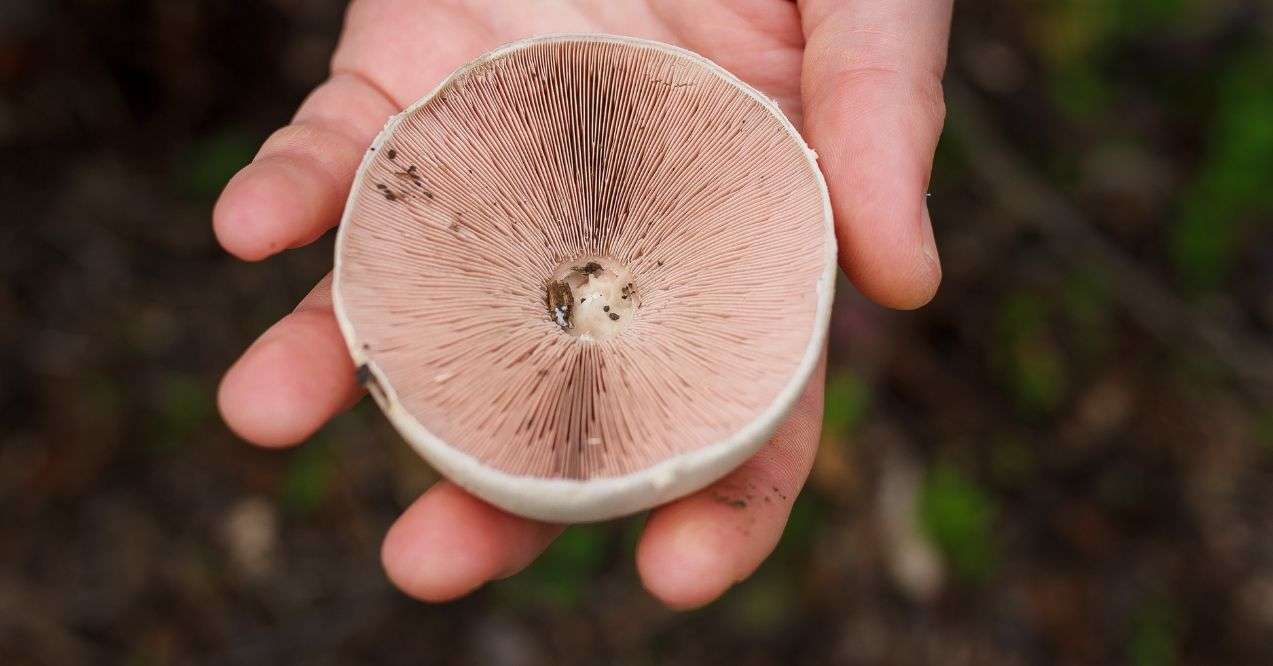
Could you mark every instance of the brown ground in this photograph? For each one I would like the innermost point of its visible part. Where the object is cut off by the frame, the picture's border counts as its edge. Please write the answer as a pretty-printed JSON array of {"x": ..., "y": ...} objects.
[{"x": 1067, "y": 458}]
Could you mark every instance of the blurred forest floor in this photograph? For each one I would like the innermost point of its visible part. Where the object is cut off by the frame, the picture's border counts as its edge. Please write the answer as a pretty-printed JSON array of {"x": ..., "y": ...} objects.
[{"x": 1067, "y": 458}]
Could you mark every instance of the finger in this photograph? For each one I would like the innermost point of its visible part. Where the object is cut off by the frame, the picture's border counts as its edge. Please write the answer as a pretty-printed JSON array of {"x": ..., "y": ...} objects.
[
  {"x": 295, "y": 188},
  {"x": 697, "y": 547},
  {"x": 874, "y": 111},
  {"x": 449, "y": 543},
  {"x": 378, "y": 37},
  {"x": 293, "y": 378}
]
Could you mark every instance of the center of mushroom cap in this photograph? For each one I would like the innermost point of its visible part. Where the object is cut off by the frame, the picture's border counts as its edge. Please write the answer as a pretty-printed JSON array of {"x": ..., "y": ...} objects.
[{"x": 591, "y": 298}]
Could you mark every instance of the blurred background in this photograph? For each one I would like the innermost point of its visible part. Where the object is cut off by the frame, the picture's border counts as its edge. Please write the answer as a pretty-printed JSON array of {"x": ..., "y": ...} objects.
[{"x": 1067, "y": 458}]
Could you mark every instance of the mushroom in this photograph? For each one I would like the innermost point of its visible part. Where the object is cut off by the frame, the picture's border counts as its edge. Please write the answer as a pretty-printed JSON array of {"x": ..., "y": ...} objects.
[{"x": 586, "y": 274}]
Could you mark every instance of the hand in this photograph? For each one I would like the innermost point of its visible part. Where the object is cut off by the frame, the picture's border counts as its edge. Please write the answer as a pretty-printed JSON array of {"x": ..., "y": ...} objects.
[{"x": 863, "y": 79}]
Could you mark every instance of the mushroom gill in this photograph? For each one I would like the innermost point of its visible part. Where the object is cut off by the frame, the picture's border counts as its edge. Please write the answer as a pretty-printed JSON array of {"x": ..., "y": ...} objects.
[{"x": 581, "y": 257}]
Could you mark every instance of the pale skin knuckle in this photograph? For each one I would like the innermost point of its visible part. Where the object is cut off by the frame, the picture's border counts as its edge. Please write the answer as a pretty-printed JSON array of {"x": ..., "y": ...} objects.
[
  {"x": 313, "y": 145},
  {"x": 297, "y": 137},
  {"x": 933, "y": 99}
]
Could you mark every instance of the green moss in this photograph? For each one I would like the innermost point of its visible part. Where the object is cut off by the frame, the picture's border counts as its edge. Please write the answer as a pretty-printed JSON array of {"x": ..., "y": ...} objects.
[
  {"x": 185, "y": 404},
  {"x": 1013, "y": 462},
  {"x": 1027, "y": 355},
  {"x": 561, "y": 576},
  {"x": 764, "y": 604},
  {"x": 958, "y": 516},
  {"x": 1153, "y": 638},
  {"x": 1089, "y": 309},
  {"x": 847, "y": 400},
  {"x": 307, "y": 480},
  {"x": 1264, "y": 430},
  {"x": 1228, "y": 200},
  {"x": 209, "y": 162}
]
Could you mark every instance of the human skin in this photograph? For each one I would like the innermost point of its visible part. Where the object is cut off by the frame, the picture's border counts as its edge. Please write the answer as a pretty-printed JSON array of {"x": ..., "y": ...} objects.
[{"x": 862, "y": 78}]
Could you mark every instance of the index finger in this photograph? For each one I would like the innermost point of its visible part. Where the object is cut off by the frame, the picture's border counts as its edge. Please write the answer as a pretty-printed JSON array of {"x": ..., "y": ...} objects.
[{"x": 295, "y": 188}]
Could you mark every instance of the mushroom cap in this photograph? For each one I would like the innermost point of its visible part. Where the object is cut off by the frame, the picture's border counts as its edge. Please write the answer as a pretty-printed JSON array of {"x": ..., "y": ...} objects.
[{"x": 637, "y": 174}]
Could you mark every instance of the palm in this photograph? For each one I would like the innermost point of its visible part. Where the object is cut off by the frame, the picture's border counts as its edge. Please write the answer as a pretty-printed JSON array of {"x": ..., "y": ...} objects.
[
  {"x": 863, "y": 80},
  {"x": 407, "y": 51}
]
